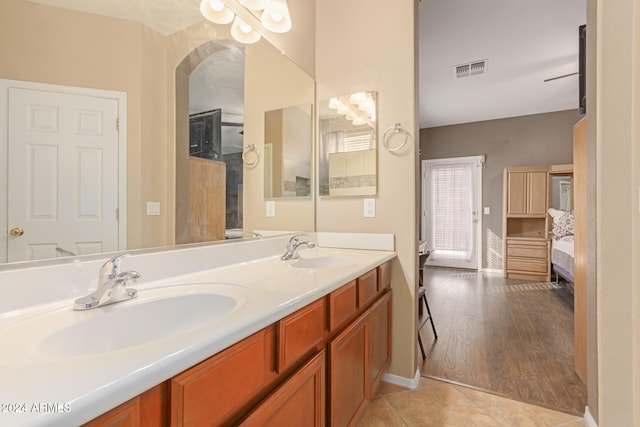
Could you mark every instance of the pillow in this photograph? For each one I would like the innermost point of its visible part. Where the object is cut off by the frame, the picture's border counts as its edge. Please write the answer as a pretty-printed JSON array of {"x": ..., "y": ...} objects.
[{"x": 562, "y": 223}]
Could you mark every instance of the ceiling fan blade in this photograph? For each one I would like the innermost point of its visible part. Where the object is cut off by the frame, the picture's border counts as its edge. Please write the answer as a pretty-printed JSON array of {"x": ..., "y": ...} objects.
[{"x": 560, "y": 77}]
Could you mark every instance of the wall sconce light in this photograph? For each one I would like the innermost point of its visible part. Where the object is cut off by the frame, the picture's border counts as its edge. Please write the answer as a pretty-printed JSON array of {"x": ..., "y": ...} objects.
[
  {"x": 359, "y": 108},
  {"x": 273, "y": 15},
  {"x": 216, "y": 11},
  {"x": 242, "y": 32}
]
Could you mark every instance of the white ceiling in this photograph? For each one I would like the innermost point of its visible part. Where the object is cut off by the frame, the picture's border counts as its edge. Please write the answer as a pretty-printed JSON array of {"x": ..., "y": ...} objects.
[{"x": 524, "y": 41}]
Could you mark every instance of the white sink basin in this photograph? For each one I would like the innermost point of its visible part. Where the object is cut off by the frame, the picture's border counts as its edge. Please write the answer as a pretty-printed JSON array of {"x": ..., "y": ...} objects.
[
  {"x": 328, "y": 261},
  {"x": 156, "y": 314}
]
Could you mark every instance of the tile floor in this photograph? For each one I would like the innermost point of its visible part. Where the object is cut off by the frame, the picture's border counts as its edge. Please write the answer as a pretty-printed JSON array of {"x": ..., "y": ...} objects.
[{"x": 441, "y": 404}]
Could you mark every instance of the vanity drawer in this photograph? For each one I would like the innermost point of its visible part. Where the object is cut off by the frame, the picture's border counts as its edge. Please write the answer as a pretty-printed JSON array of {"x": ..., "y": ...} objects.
[
  {"x": 537, "y": 250},
  {"x": 301, "y": 332},
  {"x": 217, "y": 389},
  {"x": 528, "y": 265},
  {"x": 343, "y": 303},
  {"x": 384, "y": 276},
  {"x": 367, "y": 287}
]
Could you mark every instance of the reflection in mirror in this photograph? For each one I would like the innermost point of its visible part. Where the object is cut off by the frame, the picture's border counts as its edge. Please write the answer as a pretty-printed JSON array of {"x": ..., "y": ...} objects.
[
  {"x": 216, "y": 123},
  {"x": 101, "y": 46},
  {"x": 561, "y": 197},
  {"x": 287, "y": 152},
  {"x": 347, "y": 151}
]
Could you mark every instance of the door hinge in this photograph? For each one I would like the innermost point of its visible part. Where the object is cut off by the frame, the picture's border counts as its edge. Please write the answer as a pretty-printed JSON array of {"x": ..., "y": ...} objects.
[{"x": 118, "y": 123}]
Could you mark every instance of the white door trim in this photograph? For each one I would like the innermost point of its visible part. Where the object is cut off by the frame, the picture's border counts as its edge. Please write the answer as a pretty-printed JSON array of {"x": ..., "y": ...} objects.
[
  {"x": 423, "y": 220},
  {"x": 120, "y": 97}
]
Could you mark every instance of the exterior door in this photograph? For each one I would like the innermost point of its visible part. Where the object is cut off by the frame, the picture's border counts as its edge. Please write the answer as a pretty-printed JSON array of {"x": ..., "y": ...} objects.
[
  {"x": 62, "y": 174},
  {"x": 451, "y": 221}
]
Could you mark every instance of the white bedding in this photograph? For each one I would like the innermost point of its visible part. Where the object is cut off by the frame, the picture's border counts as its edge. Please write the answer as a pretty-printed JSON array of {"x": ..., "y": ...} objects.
[{"x": 562, "y": 255}]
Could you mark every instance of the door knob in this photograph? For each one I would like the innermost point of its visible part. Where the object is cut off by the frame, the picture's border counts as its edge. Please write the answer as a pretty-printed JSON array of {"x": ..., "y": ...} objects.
[{"x": 16, "y": 232}]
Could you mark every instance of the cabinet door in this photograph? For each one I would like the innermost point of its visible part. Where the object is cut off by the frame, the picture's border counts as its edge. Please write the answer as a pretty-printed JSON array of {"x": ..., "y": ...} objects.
[
  {"x": 380, "y": 340},
  {"x": 537, "y": 193},
  {"x": 349, "y": 373},
  {"x": 125, "y": 415},
  {"x": 299, "y": 402},
  {"x": 516, "y": 193}
]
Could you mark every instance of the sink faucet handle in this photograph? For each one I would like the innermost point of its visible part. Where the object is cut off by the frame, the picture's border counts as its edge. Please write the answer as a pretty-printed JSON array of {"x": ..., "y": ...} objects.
[
  {"x": 295, "y": 238},
  {"x": 111, "y": 268}
]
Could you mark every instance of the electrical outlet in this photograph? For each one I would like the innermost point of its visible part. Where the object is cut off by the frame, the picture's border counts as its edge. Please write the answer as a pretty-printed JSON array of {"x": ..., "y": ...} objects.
[
  {"x": 487, "y": 210},
  {"x": 153, "y": 208},
  {"x": 369, "y": 208},
  {"x": 271, "y": 208}
]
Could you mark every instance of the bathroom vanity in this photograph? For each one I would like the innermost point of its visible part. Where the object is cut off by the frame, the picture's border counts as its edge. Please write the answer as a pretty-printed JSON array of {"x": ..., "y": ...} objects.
[{"x": 298, "y": 342}]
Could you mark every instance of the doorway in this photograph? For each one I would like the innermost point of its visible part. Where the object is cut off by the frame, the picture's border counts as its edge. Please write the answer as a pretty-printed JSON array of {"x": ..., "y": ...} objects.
[
  {"x": 65, "y": 159},
  {"x": 451, "y": 222}
]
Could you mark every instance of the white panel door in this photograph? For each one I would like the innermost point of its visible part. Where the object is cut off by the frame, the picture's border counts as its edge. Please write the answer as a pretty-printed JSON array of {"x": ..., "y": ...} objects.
[
  {"x": 62, "y": 174},
  {"x": 451, "y": 221}
]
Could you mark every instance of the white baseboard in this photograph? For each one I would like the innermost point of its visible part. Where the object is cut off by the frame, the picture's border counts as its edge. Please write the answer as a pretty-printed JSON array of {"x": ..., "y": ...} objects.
[
  {"x": 410, "y": 383},
  {"x": 493, "y": 270},
  {"x": 589, "y": 419}
]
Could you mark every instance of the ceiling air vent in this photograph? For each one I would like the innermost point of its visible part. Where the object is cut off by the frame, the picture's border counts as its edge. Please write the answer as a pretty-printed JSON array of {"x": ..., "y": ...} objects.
[{"x": 471, "y": 69}]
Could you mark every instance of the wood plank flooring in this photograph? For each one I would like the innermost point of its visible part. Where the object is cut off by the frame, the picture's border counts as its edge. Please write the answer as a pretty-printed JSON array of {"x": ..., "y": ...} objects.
[{"x": 510, "y": 337}]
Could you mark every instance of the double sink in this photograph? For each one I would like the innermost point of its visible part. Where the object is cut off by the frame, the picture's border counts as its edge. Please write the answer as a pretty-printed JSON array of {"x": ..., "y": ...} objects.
[{"x": 160, "y": 312}]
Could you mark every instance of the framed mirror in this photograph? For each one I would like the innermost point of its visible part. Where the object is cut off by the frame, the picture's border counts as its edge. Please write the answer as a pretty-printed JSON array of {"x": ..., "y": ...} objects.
[
  {"x": 347, "y": 145},
  {"x": 287, "y": 151},
  {"x": 134, "y": 55}
]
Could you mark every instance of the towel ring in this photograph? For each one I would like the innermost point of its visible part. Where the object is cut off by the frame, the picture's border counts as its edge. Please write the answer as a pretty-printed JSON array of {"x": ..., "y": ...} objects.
[
  {"x": 394, "y": 130},
  {"x": 245, "y": 155}
]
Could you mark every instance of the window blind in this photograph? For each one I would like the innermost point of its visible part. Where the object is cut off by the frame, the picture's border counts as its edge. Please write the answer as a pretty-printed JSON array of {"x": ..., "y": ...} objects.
[{"x": 451, "y": 222}]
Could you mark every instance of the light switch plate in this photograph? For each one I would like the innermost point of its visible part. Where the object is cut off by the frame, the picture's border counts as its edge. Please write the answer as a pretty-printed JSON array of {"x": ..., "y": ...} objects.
[
  {"x": 153, "y": 208},
  {"x": 271, "y": 208},
  {"x": 369, "y": 208},
  {"x": 487, "y": 210}
]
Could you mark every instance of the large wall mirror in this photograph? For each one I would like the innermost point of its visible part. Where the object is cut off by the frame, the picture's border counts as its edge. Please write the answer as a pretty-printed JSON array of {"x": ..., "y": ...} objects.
[
  {"x": 173, "y": 74},
  {"x": 347, "y": 145}
]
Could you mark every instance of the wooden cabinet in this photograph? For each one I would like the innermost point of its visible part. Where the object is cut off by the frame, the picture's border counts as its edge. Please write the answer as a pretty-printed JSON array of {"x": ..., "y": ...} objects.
[
  {"x": 301, "y": 333},
  {"x": 299, "y": 401},
  {"x": 125, "y": 415},
  {"x": 525, "y": 223},
  {"x": 329, "y": 355},
  {"x": 150, "y": 409},
  {"x": 349, "y": 378},
  {"x": 380, "y": 340},
  {"x": 218, "y": 389},
  {"x": 527, "y": 192}
]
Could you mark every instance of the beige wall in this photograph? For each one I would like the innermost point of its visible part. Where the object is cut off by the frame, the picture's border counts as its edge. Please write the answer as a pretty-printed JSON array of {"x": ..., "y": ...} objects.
[
  {"x": 280, "y": 85},
  {"x": 617, "y": 169},
  {"x": 538, "y": 139},
  {"x": 356, "y": 51}
]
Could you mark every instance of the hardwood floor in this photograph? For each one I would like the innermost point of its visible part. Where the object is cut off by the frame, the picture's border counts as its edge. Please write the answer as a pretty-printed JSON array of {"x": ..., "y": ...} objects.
[{"x": 510, "y": 337}]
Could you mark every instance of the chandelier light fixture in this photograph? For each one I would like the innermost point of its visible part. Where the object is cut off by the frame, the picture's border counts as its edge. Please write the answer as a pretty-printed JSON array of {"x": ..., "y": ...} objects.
[{"x": 272, "y": 15}]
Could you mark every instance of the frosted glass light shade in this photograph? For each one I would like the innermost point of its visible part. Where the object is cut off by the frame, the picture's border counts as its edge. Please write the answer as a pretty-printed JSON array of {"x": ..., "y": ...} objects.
[
  {"x": 275, "y": 16},
  {"x": 216, "y": 11},
  {"x": 254, "y": 4},
  {"x": 242, "y": 32}
]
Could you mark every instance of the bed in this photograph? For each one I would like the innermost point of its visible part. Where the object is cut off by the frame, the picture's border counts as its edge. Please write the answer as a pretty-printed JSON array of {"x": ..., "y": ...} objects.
[{"x": 562, "y": 244}]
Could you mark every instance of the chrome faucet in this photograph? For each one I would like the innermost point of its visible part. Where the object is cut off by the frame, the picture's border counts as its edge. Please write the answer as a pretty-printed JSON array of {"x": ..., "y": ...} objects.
[
  {"x": 111, "y": 286},
  {"x": 294, "y": 246}
]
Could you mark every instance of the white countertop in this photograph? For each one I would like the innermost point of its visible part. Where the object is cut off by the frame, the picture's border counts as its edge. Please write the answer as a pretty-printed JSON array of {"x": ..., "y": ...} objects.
[{"x": 70, "y": 390}]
